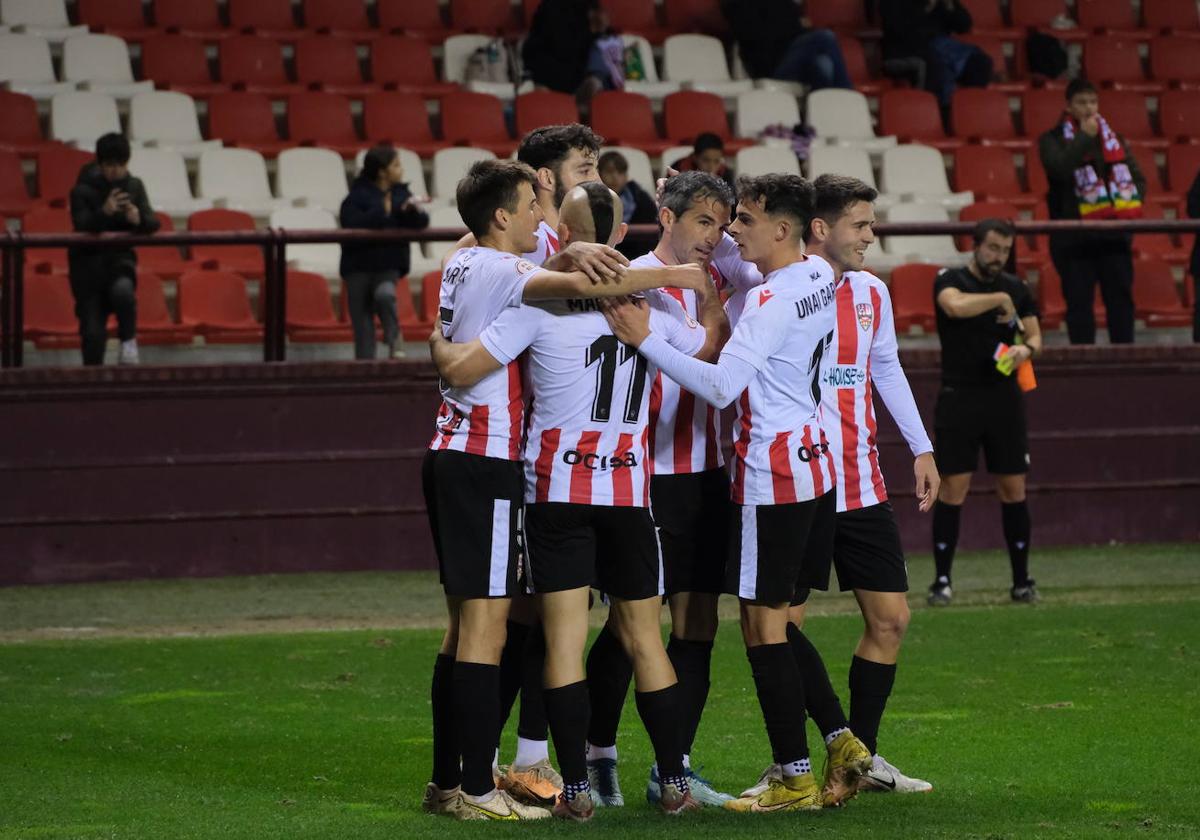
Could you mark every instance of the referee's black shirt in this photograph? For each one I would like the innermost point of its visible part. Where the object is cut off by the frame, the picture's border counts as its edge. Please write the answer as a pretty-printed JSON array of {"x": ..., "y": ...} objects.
[{"x": 968, "y": 344}]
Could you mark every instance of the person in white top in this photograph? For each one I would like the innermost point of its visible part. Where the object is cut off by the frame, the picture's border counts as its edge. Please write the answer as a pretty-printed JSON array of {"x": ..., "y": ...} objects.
[{"x": 770, "y": 367}]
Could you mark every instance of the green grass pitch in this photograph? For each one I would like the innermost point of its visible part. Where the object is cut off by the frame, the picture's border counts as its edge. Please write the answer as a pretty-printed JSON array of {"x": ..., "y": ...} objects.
[{"x": 1079, "y": 717}]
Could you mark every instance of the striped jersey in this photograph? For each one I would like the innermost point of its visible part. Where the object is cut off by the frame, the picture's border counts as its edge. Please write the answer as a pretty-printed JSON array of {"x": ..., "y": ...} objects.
[
  {"x": 486, "y": 418},
  {"x": 780, "y": 453},
  {"x": 588, "y": 427},
  {"x": 863, "y": 355},
  {"x": 685, "y": 432},
  {"x": 547, "y": 244}
]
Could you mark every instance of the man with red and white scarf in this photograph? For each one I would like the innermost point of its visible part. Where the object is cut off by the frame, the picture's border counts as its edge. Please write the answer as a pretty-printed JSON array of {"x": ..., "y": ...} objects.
[{"x": 1092, "y": 176}]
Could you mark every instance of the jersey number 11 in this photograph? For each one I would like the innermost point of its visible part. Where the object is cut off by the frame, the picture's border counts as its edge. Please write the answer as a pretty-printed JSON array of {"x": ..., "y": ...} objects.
[{"x": 609, "y": 353}]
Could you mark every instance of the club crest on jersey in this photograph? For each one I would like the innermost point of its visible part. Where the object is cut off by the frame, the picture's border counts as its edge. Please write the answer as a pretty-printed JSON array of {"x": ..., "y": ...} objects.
[
  {"x": 866, "y": 315},
  {"x": 525, "y": 266}
]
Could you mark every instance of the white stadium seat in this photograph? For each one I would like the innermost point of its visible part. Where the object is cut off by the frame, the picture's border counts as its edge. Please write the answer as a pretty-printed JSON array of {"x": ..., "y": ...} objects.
[
  {"x": 938, "y": 249},
  {"x": 846, "y": 160},
  {"x": 843, "y": 117},
  {"x": 82, "y": 116},
  {"x": 757, "y": 109},
  {"x": 236, "y": 179},
  {"x": 47, "y": 18},
  {"x": 101, "y": 63},
  {"x": 918, "y": 174},
  {"x": 26, "y": 67},
  {"x": 311, "y": 178},
  {"x": 315, "y": 257},
  {"x": 639, "y": 165},
  {"x": 456, "y": 54},
  {"x": 651, "y": 86},
  {"x": 450, "y": 165},
  {"x": 699, "y": 62},
  {"x": 669, "y": 156},
  {"x": 167, "y": 119},
  {"x": 164, "y": 174},
  {"x": 428, "y": 255},
  {"x": 764, "y": 160}
]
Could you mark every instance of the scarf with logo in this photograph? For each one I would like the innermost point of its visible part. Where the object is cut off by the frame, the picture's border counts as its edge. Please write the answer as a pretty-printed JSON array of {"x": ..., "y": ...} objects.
[{"x": 1110, "y": 192}]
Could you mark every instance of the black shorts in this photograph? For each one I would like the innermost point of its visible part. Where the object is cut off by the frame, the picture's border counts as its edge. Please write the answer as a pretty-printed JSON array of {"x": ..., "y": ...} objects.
[
  {"x": 614, "y": 549},
  {"x": 993, "y": 417},
  {"x": 691, "y": 511},
  {"x": 768, "y": 554},
  {"x": 864, "y": 546},
  {"x": 474, "y": 505}
]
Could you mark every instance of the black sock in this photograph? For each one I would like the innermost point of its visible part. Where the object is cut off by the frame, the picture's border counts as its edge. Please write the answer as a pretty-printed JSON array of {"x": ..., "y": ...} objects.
[
  {"x": 511, "y": 663},
  {"x": 531, "y": 725},
  {"x": 820, "y": 700},
  {"x": 945, "y": 536},
  {"x": 781, "y": 697},
  {"x": 660, "y": 714},
  {"x": 692, "y": 662},
  {"x": 567, "y": 710},
  {"x": 870, "y": 686},
  {"x": 609, "y": 673},
  {"x": 1015, "y": 518},
  {"x": 476, "y": 701},
  {"x": 446, "y": 771}
]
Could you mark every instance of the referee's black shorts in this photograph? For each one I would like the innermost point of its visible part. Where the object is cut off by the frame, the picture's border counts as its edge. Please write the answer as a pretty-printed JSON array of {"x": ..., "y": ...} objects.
[
  {"x": 691, "y": 511},
  {"x": 991, "y": 417}
]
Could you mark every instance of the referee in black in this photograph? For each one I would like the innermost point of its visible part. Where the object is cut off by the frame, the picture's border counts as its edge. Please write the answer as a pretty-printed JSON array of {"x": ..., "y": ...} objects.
[{"x": 979, "y": 308}]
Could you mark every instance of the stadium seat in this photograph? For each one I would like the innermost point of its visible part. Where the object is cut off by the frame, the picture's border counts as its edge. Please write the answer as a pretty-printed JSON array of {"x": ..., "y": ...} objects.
[
  {"x": 1171, "y": 17},
  {"x": 428, "y": 255},
  {"x": 245, "y": 120},
  {"x": 865, "y": 82},
  {"x": 456, "y": 53},
  {"x": 344, "y": 18},
  {"x": 757, "y": 109},
  {"x": 981, "y": 115},
  {"x": 1179, "y": 115},
  {"x": 1111, "y": 17},
  {"x": 320, "y": 258},
  {"x": 167, "y": 119},
  {"x": 246, "y": 260},
  {"x": 1041, "y": 110},
  {"x": 689, "y": 113},
  {"x": 937, "y": 248},
  {"x": 415, "y": 18},
  {"x": 990, "y": 173},
  {"x": 266, "y": 18},
  {"x": 309, "y": 316},
  {"x": 57, "y": 169},
  {"x": 405, "y": 64},
  {"x": 1115, "y": 63},
  {"x": 190, "y": 17},
  {"x": 400, "y": 119},
  {"x": 763, "y": 160},
  {"x": 639, "y": 165},
  {"x": 20, "y": 127},
  {"x": 637, "y": 17},
  {"x": 413, "y": 327},
  {"x": 450, "y": 165},
  {"x": 699, "y": 61},
  {"x": 165, "y": 177},
  {"x": 154, "y": 322},
  {"x": 331, "y": 65},
  {"x": 410, "y": 162},
  {"x": 162, "y": 260},
  {"x": 124, "y": 18},
  {"x": 14, "y": 194},
  {"x": 627, "y": 119},
  {"x": 1156, "y": 190},
  {"x": 323, "y": 119},
  {"x": 696, "y": 16},
  {"x": 847, "y": 160},
  {"x": 236, "y": 178},
  {"x": 918, "y": 174},
  {"x": 476, "y": 119},
  {"x": 981, "y": 210},
  {"x": 254, "y": 64},
  {"x": 44, "y": 18},
  {"x": 49, "y": 308},
  {"x": 543, "y": 107},
  {"x": 178, "y": 62},
  {"x": 1183, "y": 164},
  {"x": 987, "y": 21},
  {"x": 101, "y": 63},
  {"x": 431, "y": 292},
  {"x": 847, "y": 16},
  {"x": 44, "y": 219},
  {"x": 81, "y": 117},
  {"x": 1172, "y": 60},
  {"x": 844, "y": 117},
  {"x": 914, "y": 117},
  {"x": 911, "y": 290},
  {"x": 491, "y": 17},
  {"x": 311, "y": 178},
  {"x": 26, "y": 67},
  {"x": 1038, "y": 14},
  {"x": 215, "y": 304},
  {"x": 650, "y": 84},
  {"x": 1161, "y": 246},
  {"x": 1128, "y": 115},
  {"x": 1007, "y": 76},
  {"x": 1155, "y": 296}
]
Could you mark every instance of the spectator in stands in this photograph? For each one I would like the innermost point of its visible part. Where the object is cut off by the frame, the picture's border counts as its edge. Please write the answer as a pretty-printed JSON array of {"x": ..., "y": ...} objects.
[
  {"x": 1092, "y": 176},
  {"x": 565, "y": 49},
  {"x": 378, "y": 200},
  {"x": 107, "y": 198},
  {"x": 1193, "y": 209},
  {"x": 918, "y": 44},
  {"x": 775, "y": 41},
  {"x": 637, "y": 206},
  {"x": 708, "y": 155}
]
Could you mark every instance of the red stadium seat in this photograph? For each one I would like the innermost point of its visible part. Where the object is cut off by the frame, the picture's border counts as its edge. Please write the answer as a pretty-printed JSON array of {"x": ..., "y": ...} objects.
[
  {"x": 246, "y": 260},
  {"x": 476, "y": 119},
  {"x": 1179, "y": 115},
  {"x": 1156, "y": 297},
  {"x": 45, "y": 219},
  {"x": 265, "y": 18},
  {"x": 331, "y": 65},
  {"x": 124, "y": 18},
  {"x": 215, "y": 304},
  {"x": 1112, "y": 17},
  {"x": 981, "y": 115},
  {"x": 190, "y": 17},
  {"x": 847, "y": 16},
  {"x": 988, "y": 22},
  {"x": 413, "y": 327},
  {"x": 255, "y": 64},
  {"x": 1052, "y": 306},
  {"x": 990, "y": 173},
  {"x": 914, "y": 117},
  {"x": 1128, "y": 115},
  {"x": 911, "y": 288},
  {"x": 1171, "y": 17},
  {"x": 310, "y": 317},
  {"x": 415, "y": 18},
  {"x": 627, "y": 119},
  {"x": 979, "y": 211},
  {"x": 637, "y": 17},
  {"x": 162, "y": 260},
  {"x": 431, "y": 291},
  {"x": 696, "y": 16},
  {"x": 50, "y": 320},
  {"x": 20, "y": 127},
  {"x": 490, "y": 17},
  {"x": 154, "y": 322},
  {"x": 1041, "y": 110},
  {"x": 1037, "y": 14},
  {"x": 1183, "y": 164},
  {"x": 688, "y": 113},
  {"x": 544, "y": 107},
  {"x": 1006, "y": 80},
  {"x": 403, "y": 63},
  {"x": 1173, "y": 60},
  {"x": 1156, "y": 191},
  {"x": 860, "y": 74},
  {"x": 245, "y": 120},
  {"x": 323, "y": 119},
  {"x": 400, "y": 119},
  {"x": 179, "y": 62},
  {"x": 1162, "y": 246},
  {"x": 344, "y": 18},
  {"x": 57, "y": 170},
  {"x": 14, "y": 195},
  {"x": 1115, "y": 63}
]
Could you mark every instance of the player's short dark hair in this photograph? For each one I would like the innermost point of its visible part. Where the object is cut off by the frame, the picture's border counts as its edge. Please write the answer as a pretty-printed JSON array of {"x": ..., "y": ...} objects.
[
  {"x": 781, "y": 195},
  {"x": 983, "y": 227},
  {"x": 600, "y": 204},
  {"x": 613, "y": 160},
  {"x": 1078, "y": 86},
  {"x": 549, "y": 146},
  {"x": 488, "y": 186},
  {"x": 684, "y": 190},
  {"x": 112, "y": 148},
  {"x": 834, "y": 195},
  {"x": 707, "y": 141}
]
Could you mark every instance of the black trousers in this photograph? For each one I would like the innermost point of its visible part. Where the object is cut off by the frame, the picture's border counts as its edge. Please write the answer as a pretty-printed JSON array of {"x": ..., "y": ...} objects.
[
  {"x": 100, "y": 294},
  {"x": 1084, "y": 264},
  {"x": 370, "y": 295}
]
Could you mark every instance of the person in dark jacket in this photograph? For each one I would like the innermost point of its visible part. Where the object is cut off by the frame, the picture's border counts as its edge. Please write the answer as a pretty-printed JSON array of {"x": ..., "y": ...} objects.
[
  {"x": 708, "y": 155},
  {"x": 775, "y": 42},
  {"x": 638, "y": 207},
  {"x": 918, "y": 43},
  {"x": 557, "y": 53},
  {"x": 378, "y": 199},
  {"x": 107, "y": 198},
  {"x": 1193, "y": 210},
  {"x": 1092, "y": 176}
]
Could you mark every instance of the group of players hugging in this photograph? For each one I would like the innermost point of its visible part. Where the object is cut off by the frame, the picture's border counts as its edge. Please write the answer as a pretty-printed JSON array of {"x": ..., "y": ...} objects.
[{"x": 579, "y": 447}]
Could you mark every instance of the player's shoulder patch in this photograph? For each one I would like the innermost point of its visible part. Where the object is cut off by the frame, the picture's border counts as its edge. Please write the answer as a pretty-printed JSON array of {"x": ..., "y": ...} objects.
[
  {"x": 763, "y": 294},
  {"x": 524, "y": 266}
]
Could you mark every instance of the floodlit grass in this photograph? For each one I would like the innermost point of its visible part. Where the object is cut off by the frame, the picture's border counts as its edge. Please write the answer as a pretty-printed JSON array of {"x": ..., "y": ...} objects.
[{"x": 1075, "y": 718}]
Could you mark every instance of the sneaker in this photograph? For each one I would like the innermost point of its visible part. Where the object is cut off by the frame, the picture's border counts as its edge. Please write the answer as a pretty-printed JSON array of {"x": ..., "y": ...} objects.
[
  {"x": 848, "y": 759},
  {"x": 675, "y": 802},
  {"x": 606, "y": 788},
  {"x": 538, "y": 784},
  {"x": 939, "y": 594},
  {"x": 797, "y": 793},
  {"x": 773, "y": 771},
  {"x": 700, "y": 788},
  {"x": 128, "y": 354},
  {"x": 438, "y": 801},
  {"x": 500, "y": 805},
  {"x": 579, "y": 809},
  {"x": 885, "y": 778},
  {"x": 1026, "y": 594}
]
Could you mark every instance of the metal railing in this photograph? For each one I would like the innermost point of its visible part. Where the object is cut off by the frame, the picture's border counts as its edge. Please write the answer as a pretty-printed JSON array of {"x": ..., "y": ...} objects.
[{"x": 274, "y": 242}]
